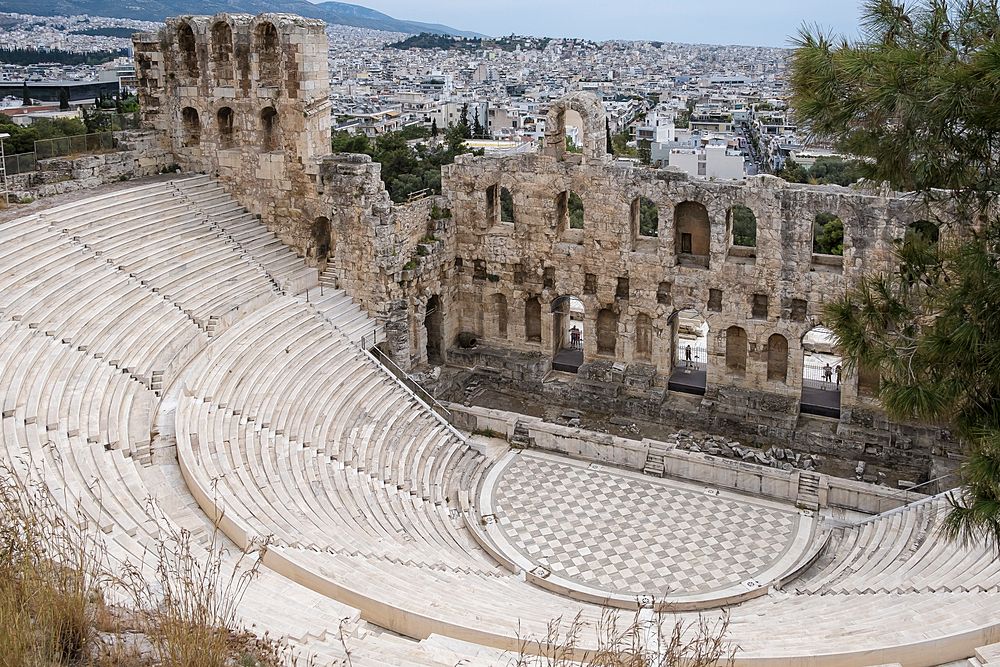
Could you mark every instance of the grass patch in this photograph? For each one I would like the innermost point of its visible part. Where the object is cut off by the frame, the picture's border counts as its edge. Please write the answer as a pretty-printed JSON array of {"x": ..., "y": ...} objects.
[
  {"x": 631, "y": 643},
  {"x": 488, "y": 432},
  {"x": 63, "y": 600}
]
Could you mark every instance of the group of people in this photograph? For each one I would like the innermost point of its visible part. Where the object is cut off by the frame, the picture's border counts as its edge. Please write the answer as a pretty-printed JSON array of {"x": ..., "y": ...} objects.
[
  {"x": 575, "y": 338},
  {"x": 828, "y": 373}
]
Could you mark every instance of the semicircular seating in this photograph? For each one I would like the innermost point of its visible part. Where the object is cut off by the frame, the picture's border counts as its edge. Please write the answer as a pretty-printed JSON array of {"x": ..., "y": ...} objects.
[{"x": 107, "y": 303}]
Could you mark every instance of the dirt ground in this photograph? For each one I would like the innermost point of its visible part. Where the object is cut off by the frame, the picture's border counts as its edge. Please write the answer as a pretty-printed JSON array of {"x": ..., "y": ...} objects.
[{"x": 637, "y": 429}]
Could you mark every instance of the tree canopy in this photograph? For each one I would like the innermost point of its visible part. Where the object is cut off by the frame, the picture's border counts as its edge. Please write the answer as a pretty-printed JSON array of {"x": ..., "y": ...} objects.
[
  {"x": 915, "y": 97},
  {"x": 406, "y": 169}
]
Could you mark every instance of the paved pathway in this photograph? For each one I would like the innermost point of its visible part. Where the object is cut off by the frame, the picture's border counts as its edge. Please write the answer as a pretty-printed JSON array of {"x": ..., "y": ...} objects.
[{"x": 628, "y": 533}]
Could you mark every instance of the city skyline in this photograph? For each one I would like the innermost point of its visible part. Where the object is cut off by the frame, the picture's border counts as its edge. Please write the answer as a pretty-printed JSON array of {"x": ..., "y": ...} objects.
[{"x": 723, "y": 22}]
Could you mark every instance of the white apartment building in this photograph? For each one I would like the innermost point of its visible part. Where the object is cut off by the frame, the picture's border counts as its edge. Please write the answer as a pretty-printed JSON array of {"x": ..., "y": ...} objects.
[{"x": 715, "y": 161}]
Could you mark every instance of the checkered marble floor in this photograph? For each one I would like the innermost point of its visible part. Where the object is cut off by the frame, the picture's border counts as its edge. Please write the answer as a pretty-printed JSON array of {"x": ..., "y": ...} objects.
[{"x": 632, "y": 534}]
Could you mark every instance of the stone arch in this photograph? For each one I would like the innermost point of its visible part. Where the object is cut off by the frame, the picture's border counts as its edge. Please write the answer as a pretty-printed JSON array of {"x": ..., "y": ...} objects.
[
  {"x": 742, "y": 226},
  {"x": 607, "y": 331},
  {"x": 533, "y": 320},
  {"x": 567, "y": 312},
  {"x": 189, "y": 50},
  {"x": 268, "y": 50},
  {"x": 499, "y": 308},
  {"x": 222, "y": 53},
  {"x": 777, "y": 358},
  {"x": 322, "y": 239},
  {"x": 736, "y": 350},
  {"x": 192, "y": 126},
  {"x": 592, "y": 139},
  {"x": 643, "y": 336},
  {"x": 820, "y": 390},
  {"x": 689, "y": 351},
  {"x": 693, "y": 234},
  {"x": 227, "y": 132},
  {"x": 270, "y": 130}
]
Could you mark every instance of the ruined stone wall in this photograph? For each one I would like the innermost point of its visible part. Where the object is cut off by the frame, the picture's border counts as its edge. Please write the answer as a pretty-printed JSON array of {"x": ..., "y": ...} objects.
[
  {"x": 759, "y": 302},
  {"x": 141, "y": 154},
  {"x": 245, "y": 99}
]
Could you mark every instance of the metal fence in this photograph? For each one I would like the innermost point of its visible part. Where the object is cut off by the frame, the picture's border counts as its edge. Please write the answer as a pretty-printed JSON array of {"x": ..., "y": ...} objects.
[
  {"x": 19, "y": 164},
  {"x": 82, "y": 143}
]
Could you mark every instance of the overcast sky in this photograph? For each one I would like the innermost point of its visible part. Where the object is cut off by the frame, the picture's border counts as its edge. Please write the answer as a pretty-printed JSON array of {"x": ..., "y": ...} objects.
[{"x": 751, "y": 22}]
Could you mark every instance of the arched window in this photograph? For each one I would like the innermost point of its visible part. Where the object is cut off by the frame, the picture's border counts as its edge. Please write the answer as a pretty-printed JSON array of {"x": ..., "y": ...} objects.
[
  {"x": 225, "y": 119},
  {"x": 188, "y": 48},
  {"x": 692, "y": 234},
  {"x": 533, "y": 320},
  {"x": 268, "y": 55},
  {"x": 192, "y": 126},
  {"x": 607, "y": 331},
  {"x": 271, "y": 136},
  {"x": 777, "y": 358},
  {"x": 222, "y": 53},
  {"x": 736, "y": 350},
  {"x": 643, "y": 336}
]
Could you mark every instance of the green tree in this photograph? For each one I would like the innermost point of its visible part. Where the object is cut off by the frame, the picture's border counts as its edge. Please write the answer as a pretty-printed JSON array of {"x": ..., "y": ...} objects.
[
  {"x": 649, "y": 218},
  {"x": 916, "y": 97},
  {"x": 463, "y": 122},
  {"x": 828, "y": 234},
  {"x": 25, "y": 96},
  {"x": 744, "y": 226},
  {"x": 477, "y": 129},
  {"x": 575, "y": 210},
  {"x": 63, "y": 99},
  {"x": 434, "y": 128},
  {"x": 793, "y": 172},
  {"x": 506, "y": 206},
  {"x": 644, "y": 151}
]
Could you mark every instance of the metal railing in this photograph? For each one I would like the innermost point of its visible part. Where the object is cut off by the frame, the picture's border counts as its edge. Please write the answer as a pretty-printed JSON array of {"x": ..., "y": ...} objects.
[
  {"x": 915, "y": 503},
  {"x": 21, "y": 163},
  {"x": 81, "y": 143},
  {"x": 404, "y": 377}
]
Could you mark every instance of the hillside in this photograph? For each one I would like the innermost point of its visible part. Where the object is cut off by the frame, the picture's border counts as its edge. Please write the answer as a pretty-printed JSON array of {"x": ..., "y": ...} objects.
[{"x": 335, "y": 13}]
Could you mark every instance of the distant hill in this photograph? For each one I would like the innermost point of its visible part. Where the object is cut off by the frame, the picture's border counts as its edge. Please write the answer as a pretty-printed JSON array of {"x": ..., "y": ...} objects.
[
  {"x": 335, "y": 13},
  {"x": 412, "y": 27}
]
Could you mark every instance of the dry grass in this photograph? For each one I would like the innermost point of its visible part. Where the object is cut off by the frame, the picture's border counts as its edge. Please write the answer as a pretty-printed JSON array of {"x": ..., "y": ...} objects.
[
  {"x": 56, "y": 581},
  {"x": 650, "y": 641}
]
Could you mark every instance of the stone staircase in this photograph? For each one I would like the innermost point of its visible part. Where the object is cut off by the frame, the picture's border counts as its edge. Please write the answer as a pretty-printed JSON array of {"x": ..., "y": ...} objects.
[
  {"x": 807, "y": 497},
  {"x": 654, "y": 459},
  {"x": 520, "y": 438}
]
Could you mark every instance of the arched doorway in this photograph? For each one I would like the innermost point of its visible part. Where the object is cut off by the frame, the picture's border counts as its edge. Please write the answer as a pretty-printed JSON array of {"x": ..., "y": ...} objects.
[
  {"x": 567, "y": 333},
  {"x": 822, "y": 368},
  {"x": 690, "y": 352},
  {"x": 433, "y": 327}
]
